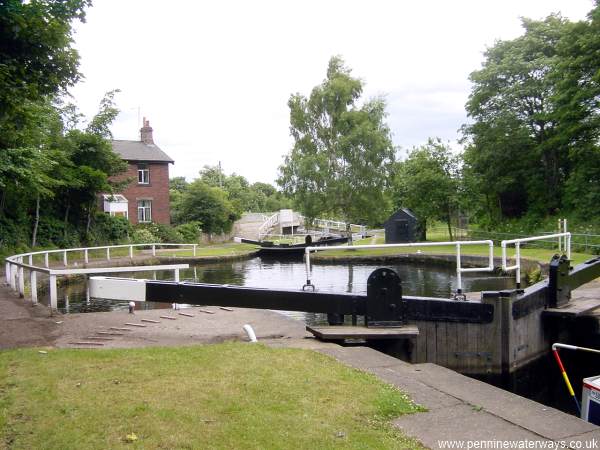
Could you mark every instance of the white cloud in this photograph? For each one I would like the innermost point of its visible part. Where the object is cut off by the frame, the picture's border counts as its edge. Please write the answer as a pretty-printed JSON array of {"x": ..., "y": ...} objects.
[{"x": 214, "y": 77}]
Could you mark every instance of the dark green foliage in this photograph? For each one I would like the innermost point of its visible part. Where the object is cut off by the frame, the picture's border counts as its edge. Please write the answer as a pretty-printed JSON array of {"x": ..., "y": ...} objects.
[
  {"x": 110, "y": 229},
  {"x": 428, "y": 183},
  {"x": 163, "y": 233},
  {"x": 37, "y": 58},
  {"x": 225, "y": 197},
  {"x": 533, "y": 146},
  {"x": 208, "y": 205},
  {"x": 190, "y": 232}
]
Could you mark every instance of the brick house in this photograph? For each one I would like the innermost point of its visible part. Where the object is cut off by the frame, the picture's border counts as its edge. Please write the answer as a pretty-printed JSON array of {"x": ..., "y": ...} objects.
[{"x": 146, "y": 198}]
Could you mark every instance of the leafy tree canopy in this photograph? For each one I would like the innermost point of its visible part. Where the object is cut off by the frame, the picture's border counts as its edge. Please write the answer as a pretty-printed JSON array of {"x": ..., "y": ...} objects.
[
  {"x": 342, "y": 156},
  {"x": 428, "y": 182}
]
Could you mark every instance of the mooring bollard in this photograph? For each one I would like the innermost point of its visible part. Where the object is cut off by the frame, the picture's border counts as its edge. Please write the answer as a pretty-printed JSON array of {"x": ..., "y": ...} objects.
[{"x": 131, "y": 307}]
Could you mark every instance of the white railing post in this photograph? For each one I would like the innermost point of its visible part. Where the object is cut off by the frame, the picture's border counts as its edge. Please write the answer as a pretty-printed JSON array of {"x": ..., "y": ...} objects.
[
  {"x": 568, "y": 237},
  {"x": 46, "y": 260},
  {"x": 108, "y": 253},
  {"x": 86, "y": 256},
  {"x": 153, "y": 249},
  {"x": 13, "y": 277},
  {"x": 131, "y": 251},
  {"x": 195, "y": 245},
  {"x": 518, "y": 263},
  {"x": 31, "y": 260},
  {"x": 567, "y": 248},
  {"x": 7, "y": 273},
  {"x": 53, "y": 293},
  {"x": 176, "y": 273},
  {"x": 21, "y": 281},
  {"x": 307, "y": 253},
  {"x": 560, "y": 237},
  {"x": 33, "y": 286},
  {"x": 65, "y": 261},
  {"x": 458, "y": 270}
]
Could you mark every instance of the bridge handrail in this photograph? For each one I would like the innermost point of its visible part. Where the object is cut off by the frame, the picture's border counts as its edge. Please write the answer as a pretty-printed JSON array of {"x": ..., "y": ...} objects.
[{"x": 458, "y": 244}]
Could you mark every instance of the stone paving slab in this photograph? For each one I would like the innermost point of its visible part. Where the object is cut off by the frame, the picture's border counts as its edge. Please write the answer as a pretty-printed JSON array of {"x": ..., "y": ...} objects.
[
  {"x": 420, "y": 393},
  {"x": 464, "y": 408},
  {"x": 364, "y": 358},
  {"x": 540, "y": 419},
  {"x": 460, "y": 423}
]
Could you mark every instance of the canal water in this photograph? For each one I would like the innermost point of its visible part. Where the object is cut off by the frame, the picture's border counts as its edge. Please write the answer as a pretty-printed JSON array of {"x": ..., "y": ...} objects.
[{"x": 417, "y": 279}]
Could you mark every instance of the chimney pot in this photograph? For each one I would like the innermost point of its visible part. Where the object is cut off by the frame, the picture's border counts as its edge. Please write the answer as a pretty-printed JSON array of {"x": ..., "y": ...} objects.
[{"x": 146, "y": 133}]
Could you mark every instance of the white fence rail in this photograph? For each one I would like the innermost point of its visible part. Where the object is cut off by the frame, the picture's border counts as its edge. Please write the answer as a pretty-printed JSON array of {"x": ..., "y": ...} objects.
[
  {"x": 564, "y": 240},
  {"x": 457, "y": 244},
  {"x": 15, "y": 267}
]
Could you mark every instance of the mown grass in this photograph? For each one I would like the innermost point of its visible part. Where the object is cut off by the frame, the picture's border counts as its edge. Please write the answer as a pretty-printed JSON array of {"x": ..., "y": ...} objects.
[
  {"x": 226, "y": 249},
  {"x": 229, "y": 395}
]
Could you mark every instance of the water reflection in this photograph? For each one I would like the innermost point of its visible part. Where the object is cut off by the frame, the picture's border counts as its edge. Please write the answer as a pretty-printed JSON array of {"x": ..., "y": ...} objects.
[{"x": 417, "y": 279}]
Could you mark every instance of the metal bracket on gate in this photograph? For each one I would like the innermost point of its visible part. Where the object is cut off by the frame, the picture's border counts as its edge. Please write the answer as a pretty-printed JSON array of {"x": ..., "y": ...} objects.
[{"x": 385, "y": 307}]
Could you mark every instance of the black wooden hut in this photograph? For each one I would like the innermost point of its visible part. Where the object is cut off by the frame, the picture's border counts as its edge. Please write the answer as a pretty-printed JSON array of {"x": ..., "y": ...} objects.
[{"x": 403, "y": 226}]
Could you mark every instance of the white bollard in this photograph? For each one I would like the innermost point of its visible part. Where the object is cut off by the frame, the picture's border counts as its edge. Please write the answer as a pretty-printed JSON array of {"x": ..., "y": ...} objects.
[{"x": 250, "y": 332}]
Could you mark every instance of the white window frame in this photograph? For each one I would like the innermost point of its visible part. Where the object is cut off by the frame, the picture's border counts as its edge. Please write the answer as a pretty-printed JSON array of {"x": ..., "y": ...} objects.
[
  {"x": 144, "y": 210},
  {"x": 143, "y": 174}
]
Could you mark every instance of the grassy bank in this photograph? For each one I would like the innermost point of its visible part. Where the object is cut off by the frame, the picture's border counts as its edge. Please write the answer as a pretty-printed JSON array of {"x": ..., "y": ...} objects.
[
  {"x": 225, "y": 249},
  {"x": 218, "y": 396}
]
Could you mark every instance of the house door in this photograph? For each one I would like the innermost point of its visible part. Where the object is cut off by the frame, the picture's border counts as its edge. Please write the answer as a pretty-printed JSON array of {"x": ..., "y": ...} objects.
[{"x": 402, "y": 232}]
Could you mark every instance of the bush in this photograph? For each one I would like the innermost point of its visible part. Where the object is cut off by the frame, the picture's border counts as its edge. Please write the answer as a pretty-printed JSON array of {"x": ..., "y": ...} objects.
[
  {"x": 110, "y": 229},
  {"x": 144, "y": 236},
  {"x": 190, "y": 232},
  {"x": 163, "y": 233}
]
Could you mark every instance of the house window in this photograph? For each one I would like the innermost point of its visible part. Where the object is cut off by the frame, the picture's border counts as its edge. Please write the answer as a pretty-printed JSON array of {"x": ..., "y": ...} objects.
[
  {"x": 143, "y": 174},
  {"x": 144, "y": 211}
]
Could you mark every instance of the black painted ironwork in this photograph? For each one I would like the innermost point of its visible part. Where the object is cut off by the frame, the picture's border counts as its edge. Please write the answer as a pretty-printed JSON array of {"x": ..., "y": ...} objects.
[{"x": 383, "y": 305}]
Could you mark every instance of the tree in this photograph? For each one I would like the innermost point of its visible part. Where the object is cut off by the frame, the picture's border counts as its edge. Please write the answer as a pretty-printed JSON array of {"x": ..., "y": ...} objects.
[
  {"x": 577, "y": 101},
  {"x": 37, "y": 57},
  {"x": 513, "y": 145},
  {"x": 428, "y": 182},
  {"x": 94, "y": 162},
  {"x": 207, "y": 205},
  {"x": 342, "y": 154}
]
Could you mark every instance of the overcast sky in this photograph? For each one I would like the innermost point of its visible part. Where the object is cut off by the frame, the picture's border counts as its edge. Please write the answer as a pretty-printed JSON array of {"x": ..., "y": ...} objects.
[{"x": 214, "y": 77}]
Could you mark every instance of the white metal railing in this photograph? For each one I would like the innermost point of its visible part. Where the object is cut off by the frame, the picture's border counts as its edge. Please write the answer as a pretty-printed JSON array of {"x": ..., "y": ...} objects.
[
  {"x": 15, "y": 267},
  {"x": 566, "y": 237},
  {"x": 457, "y": 244}
]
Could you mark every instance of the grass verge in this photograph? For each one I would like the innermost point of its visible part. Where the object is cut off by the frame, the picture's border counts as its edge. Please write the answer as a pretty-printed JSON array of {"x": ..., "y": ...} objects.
[
  {"x": 226, "y": 249},
  {"x": 219, "y": 396}
]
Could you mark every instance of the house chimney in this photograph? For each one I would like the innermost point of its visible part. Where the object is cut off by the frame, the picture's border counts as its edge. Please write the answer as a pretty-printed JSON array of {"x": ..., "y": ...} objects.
[{"x": 146, "y": 133}]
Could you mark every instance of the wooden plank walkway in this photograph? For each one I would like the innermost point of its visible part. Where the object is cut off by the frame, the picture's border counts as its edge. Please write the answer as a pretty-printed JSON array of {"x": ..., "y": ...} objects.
[{"x": 339, "y": 332}]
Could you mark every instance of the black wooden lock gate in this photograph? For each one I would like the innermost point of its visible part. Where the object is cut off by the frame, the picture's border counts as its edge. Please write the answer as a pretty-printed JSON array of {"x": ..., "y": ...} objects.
[{"x": 383, "y": 306}]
